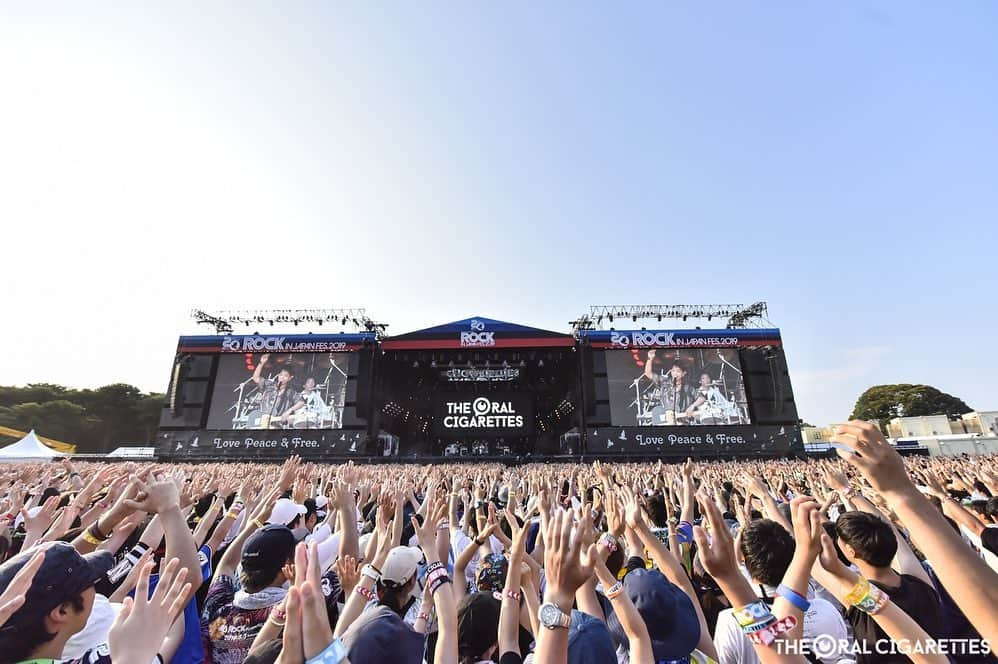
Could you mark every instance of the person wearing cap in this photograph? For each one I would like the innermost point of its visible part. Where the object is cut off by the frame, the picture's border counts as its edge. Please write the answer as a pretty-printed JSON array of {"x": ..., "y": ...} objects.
[
  {"x": 231, "y": 617},
  {"x": 56, "y": 605},
  {"x": 398, "y": 587},
  {"x": 288, "y": 513},
  {"x": 671, "y": 619}
]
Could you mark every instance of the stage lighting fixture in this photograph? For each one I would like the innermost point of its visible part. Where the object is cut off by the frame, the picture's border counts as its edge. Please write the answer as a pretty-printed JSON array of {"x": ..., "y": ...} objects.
[
  {"x": 660, "y": 318},
  {"x": 634, "y": 319},
  {"x": 415, "y": 364}
]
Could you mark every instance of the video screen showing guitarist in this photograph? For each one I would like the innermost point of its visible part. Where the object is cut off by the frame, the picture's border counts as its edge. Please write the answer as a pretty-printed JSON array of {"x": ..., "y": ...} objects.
[
  {"x": 277, "y": 396},
  {"x": 678, "y": 399}
]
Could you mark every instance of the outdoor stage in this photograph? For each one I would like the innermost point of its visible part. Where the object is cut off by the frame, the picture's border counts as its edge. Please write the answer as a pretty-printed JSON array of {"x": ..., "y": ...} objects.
[{"x": 479, "y": 390}]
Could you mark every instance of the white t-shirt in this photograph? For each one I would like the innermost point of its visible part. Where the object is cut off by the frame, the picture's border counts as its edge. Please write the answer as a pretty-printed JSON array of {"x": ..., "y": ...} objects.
[{"x": 733, "y": 647}]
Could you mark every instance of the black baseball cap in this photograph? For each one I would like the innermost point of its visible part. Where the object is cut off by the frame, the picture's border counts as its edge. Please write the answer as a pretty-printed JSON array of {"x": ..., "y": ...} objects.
[
  {"x": 64, "y": 574},
  {"x": 268, "y": 548}
]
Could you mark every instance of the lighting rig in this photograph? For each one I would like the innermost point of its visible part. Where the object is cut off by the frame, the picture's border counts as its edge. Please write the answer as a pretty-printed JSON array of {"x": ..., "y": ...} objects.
[
  {"x": 737, "y": 315},
  {"x": 223, "y": 321}
]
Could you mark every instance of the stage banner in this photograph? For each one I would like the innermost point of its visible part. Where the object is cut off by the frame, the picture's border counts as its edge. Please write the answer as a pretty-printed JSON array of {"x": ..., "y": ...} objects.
[
  {"x": 275, "y": 343},
  {"x": 264, "y": 445},
  {"x": 739, "y": 338},
  {"x": 498, "y": 414},
  {"x": 692, "y": 441},
  {"x": 478, "y": 333}
]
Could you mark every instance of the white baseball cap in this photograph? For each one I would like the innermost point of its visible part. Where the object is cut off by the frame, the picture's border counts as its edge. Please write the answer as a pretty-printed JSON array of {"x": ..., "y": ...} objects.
[
  {"x": 285, "y": 510},
  {"x": 401, "y": 565}
]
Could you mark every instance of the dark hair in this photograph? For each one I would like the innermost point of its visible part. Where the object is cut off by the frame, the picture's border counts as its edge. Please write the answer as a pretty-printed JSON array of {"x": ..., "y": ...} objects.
[
  {"x": 768, "y": 549},
  {"x": 655, "y": 507},
  {"x": 18, "y": 644},
  {"x": 991, "y": 509},
  {"x": 253, "y": 581},
  {"x": 871, "y": 537},
  {"x": 830, "y": 531},
  {"x": 395, "y": 597}
]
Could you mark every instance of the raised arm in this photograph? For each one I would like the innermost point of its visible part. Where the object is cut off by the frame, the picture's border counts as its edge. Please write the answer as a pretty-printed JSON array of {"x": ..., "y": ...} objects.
[{"x": 967, "y": 578}]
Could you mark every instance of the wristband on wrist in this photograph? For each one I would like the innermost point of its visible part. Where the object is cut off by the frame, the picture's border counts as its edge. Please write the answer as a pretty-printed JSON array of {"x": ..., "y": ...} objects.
[
  {"x": 437, "y": 582},
  {"x": 794, "y": 597},
  {"x": 425, "y": 617},
  {"x": 762, "y": 624},
  {"x": 370, "y": 572},
  {"x": 334, "y": 653},
  {"x": 609, "y": 541},
  {"x": 873, "y": 601},
  {"x": 512, "y": 594},
  {"x": 366, "y": 593},
  {"x": 433, "y": 567},
  {"x": 97, "y": 532},
  {"x": 90, "y": 539},
  {"x": 858, "y": 592},
  {"x": 767, "y": 635},
  {"x": 256, "y": 522},
  {"x": 614, "y": 591},
  {"x": 752, "y": 614}
]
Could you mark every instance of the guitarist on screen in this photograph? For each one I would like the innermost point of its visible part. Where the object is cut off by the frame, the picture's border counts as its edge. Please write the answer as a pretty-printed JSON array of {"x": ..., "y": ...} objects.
[
  {"x": 278, "y": 396},
  {"x": 678, "y": 398}
]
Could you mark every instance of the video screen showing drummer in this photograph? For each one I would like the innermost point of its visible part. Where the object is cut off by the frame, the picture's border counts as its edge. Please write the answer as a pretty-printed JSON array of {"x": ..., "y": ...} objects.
[{"x": 673, "y": 398}]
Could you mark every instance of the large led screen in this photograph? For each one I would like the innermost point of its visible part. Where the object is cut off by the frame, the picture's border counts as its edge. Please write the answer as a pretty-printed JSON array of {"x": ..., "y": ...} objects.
[
  {"x": 676, "y": 387},
  {"x": 281, "y": 391}
]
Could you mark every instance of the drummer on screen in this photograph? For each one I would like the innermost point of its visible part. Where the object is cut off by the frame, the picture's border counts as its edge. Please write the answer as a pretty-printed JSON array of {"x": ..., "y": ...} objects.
[
  {"x": 310, "y": 400},
  {"x": 679, "y": 399},
  {"x": 709, "y": 392}
]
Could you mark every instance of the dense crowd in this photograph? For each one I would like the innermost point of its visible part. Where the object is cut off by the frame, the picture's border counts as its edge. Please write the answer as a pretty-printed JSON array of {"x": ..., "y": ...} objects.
[{"x": 872, "y": 558}]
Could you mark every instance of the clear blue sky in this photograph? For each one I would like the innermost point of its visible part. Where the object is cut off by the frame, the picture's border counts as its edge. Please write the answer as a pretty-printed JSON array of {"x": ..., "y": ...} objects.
[{"x": 519, "y": 161}]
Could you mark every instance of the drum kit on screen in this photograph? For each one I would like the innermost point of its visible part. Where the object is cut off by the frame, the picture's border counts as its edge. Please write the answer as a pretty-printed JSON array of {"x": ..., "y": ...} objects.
[{"x": 717, "y": 410}]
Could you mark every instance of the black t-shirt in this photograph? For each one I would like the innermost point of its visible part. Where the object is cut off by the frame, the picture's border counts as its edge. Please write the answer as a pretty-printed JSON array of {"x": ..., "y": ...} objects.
[
  {"x": 989, "y": 540},
  {"x": 912, "y": 596},
  {"x": 511, "y": 658}
]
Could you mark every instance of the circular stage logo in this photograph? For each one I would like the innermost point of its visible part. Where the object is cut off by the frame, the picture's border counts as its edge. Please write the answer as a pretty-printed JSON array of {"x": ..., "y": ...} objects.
[{"x": 481, "y": 406}]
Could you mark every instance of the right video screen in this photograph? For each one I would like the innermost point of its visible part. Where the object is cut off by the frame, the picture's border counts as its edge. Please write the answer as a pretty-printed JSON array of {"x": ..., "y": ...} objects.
[{"x": 676, "y": 387}]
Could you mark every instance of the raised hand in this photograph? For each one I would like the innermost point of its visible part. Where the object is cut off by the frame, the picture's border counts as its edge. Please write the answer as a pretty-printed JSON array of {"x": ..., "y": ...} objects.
[
  {"x": 718, "y": 553},
  {"x": 873, "y": 456},
  {"x": 159, "y": 495},
  {"x": 564, "y": 567},
  {"x": 12, "y": 597},
  {"x": 139, "y": 629},
  {"x": 348, "y": 572}
]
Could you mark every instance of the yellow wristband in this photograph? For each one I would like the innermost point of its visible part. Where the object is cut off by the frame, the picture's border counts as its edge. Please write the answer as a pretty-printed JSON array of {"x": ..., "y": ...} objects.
[
  {"x": 858, "y": 592},
  {"x": 90, "y": 539}
]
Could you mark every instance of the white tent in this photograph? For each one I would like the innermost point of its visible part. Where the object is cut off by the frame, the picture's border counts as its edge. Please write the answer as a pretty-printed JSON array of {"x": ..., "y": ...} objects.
[{"x": 27, "y": 449}]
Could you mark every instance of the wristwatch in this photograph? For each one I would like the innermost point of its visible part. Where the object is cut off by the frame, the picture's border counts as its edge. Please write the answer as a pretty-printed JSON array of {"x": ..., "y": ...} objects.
[{"x": 552, "y": 617}]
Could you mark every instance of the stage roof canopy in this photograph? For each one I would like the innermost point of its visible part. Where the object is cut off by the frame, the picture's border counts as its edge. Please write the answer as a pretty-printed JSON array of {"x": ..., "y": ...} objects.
[{"x": 478, "y": 333}]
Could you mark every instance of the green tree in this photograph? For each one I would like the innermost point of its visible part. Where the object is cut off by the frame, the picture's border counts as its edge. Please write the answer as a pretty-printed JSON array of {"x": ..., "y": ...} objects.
[
  {"x": 885, "y": 402},
  {"x": 59, "y": 419},
  {"x": 93, "y": 420}
]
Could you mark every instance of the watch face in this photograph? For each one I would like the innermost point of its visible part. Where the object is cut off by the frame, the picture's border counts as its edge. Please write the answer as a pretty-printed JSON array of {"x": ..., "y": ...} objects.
[{"x": 550, "y": 615}]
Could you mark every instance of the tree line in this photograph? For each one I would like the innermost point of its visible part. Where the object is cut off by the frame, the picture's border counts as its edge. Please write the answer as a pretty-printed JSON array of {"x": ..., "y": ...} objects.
[{"x": 95, "y": 420}]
